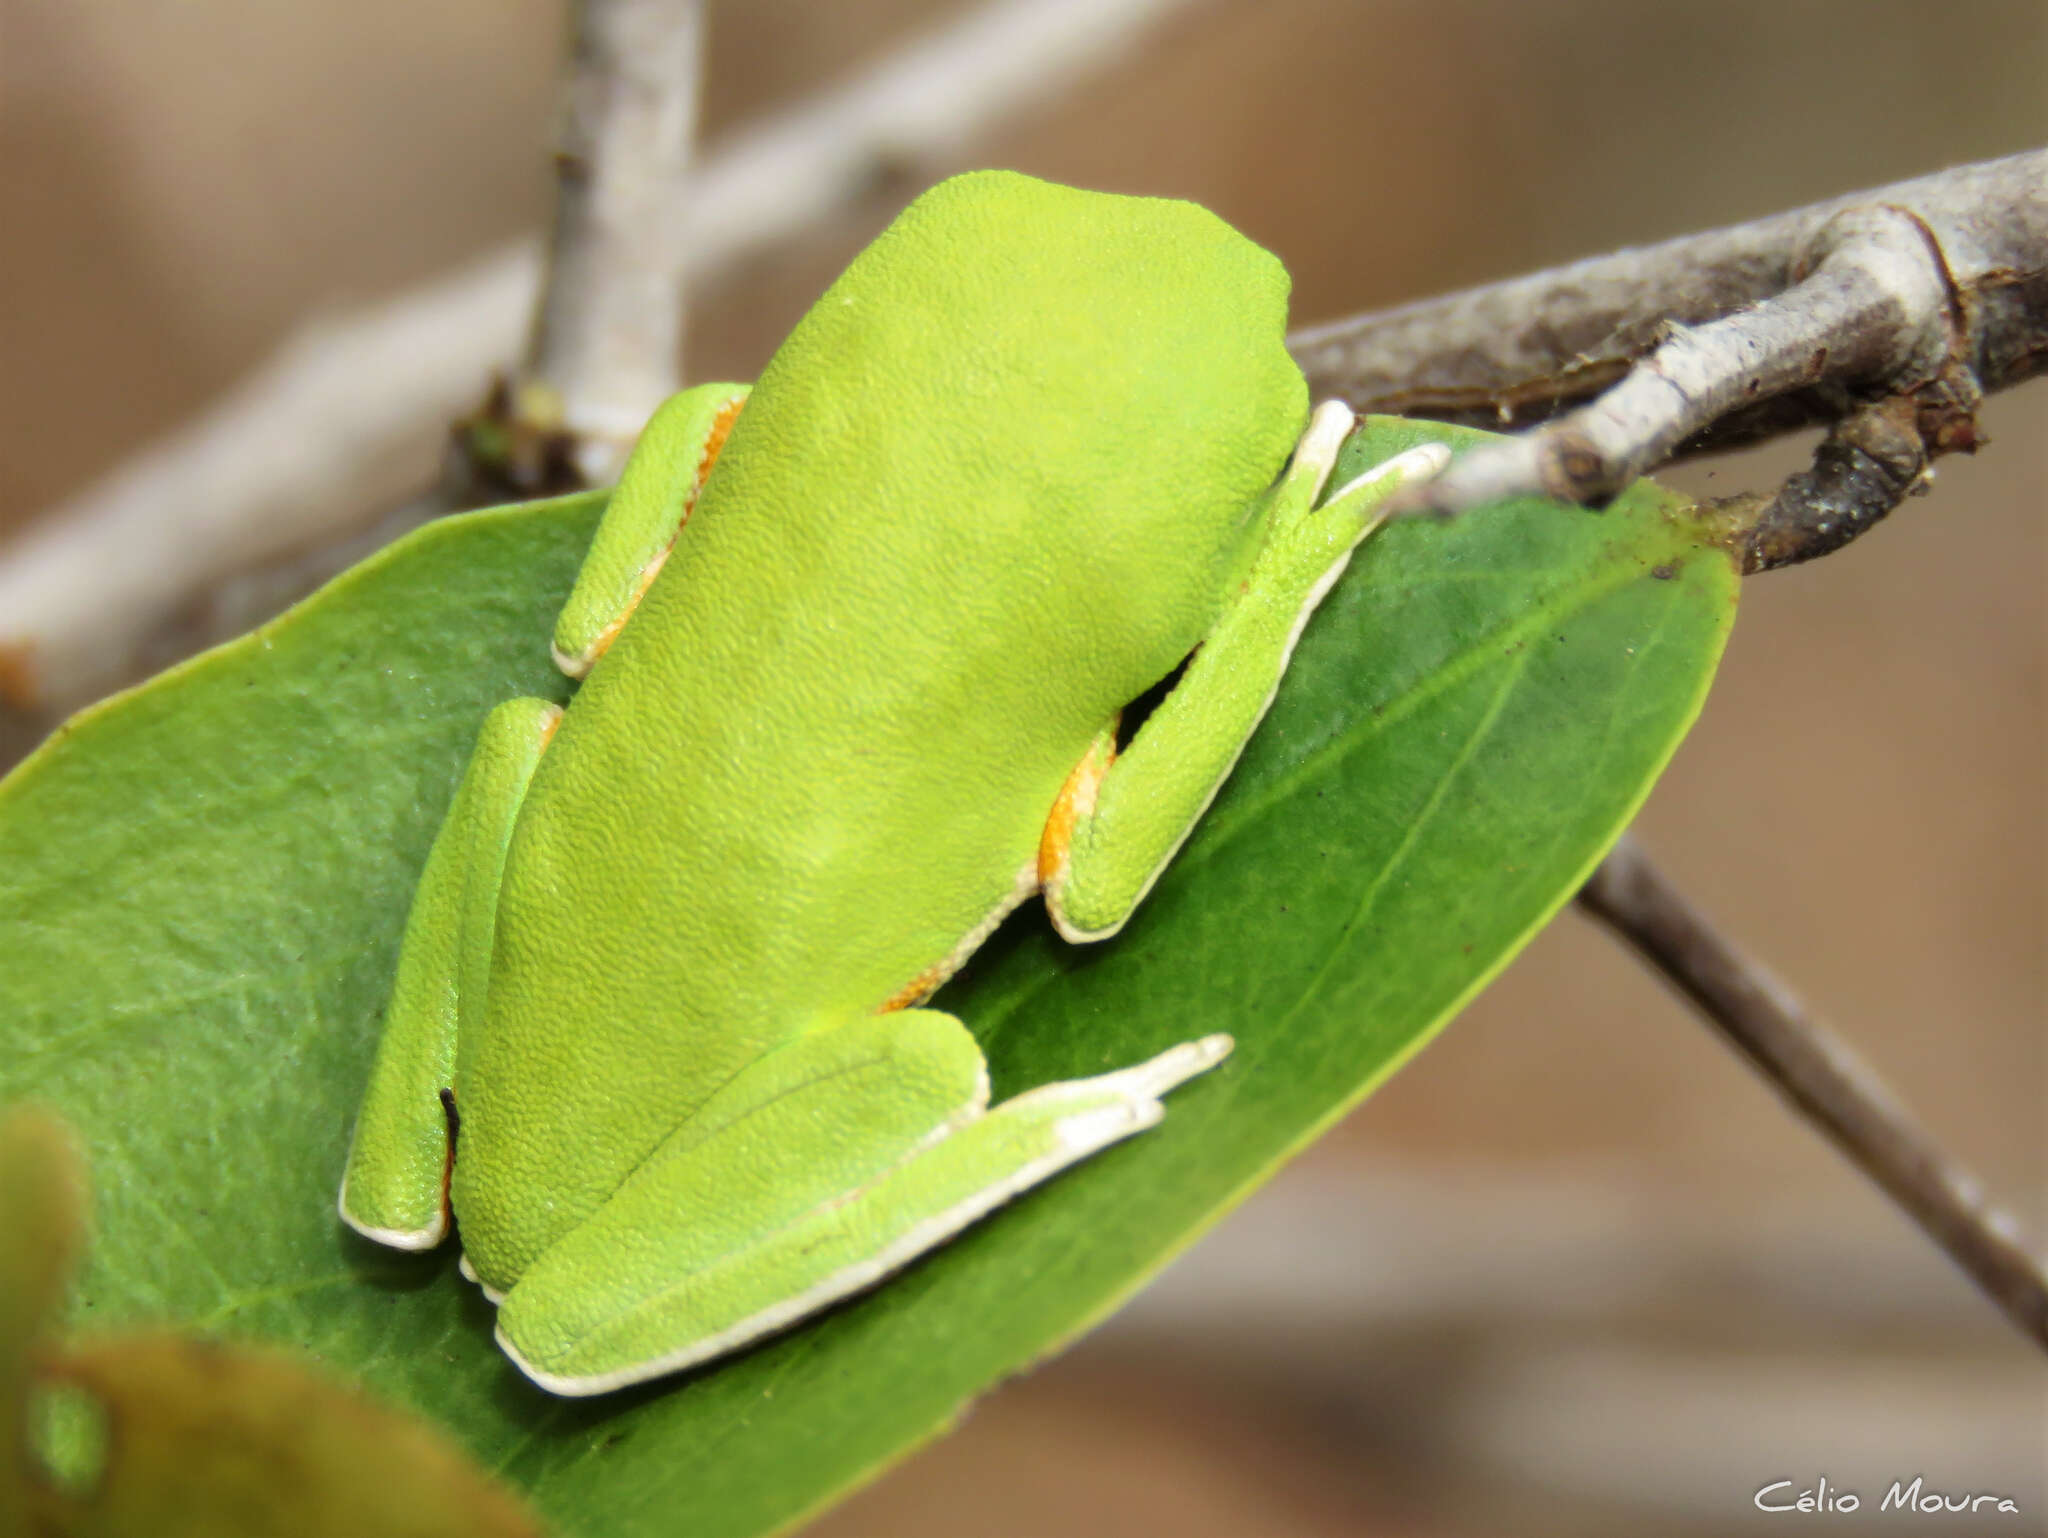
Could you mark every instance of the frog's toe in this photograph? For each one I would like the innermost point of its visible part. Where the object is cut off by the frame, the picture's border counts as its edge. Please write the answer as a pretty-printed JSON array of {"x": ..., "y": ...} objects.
[{"x": 469, "y": 1275}]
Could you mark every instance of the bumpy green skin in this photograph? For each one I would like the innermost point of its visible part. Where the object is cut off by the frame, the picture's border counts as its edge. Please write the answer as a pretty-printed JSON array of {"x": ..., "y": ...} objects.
[
  {"x": 920, "y": 579},
  {"x": 1013, "y": 467}
]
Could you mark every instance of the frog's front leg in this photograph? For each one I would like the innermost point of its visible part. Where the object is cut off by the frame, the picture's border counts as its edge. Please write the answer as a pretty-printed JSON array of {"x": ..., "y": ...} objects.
[
  {"x": 653, "y": 501},
  {"x": 1122, "y": 817},
  {"x": 396, "y": 1184},
  {"x": 395, "y": 1188},
  {"x": 831, "y": 1162}
]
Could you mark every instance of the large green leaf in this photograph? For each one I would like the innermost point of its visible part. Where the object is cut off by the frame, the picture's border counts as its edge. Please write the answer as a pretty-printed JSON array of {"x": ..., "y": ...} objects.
[{"x": 202, "y": 884}]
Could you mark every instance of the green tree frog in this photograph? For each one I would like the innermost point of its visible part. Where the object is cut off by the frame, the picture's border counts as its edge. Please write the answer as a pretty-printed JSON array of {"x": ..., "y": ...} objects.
[{"x": 856, "y": 646}]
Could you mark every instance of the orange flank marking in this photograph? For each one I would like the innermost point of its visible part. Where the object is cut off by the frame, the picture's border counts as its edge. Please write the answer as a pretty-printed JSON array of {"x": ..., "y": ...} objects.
[
  {"x": 648, "y": 573},
  {"x": 721, "y": 429},
  {"x": 927, "y": 982},
  {"x": 549, "y": 727},
  {"x": 1076, "y": 800},
  {"x": 916, "y": 991}
]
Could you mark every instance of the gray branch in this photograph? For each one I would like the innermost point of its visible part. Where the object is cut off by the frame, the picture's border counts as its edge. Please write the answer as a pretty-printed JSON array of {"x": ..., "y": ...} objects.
[
  {"x": 1928, "y": 292},
  {"x": 1822, "y": 1077},
  {"x": 607, "y": 339}
]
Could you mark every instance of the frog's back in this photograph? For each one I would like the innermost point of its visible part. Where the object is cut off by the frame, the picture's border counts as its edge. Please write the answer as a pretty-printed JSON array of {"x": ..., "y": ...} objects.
[{"x": 955, "y": 528}]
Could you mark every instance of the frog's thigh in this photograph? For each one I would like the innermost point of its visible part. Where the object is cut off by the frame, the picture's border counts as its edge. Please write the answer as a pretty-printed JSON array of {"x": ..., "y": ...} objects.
[
  {"x": 1123, "y": 817},
  {"x": 655, "y": 494},
  {"x": 857, "y": 1151},
  {"x": 395, "y": 1188}
]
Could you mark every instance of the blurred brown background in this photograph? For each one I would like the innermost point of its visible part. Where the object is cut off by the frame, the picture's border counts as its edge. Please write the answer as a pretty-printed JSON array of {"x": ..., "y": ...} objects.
[{"x": 1575, "y": 1270}]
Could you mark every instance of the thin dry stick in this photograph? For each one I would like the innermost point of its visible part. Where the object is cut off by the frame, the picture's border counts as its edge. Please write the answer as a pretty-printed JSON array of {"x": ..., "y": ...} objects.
[
  {"x": 1885, "y": 315},
  {"x": 1821, "y": 1075},
  {"x": 1872, "y": 309},
  {"x": 1531, "y": 348},
  {"x": 296, "y": 472},
  {"x": 911, "y": 116},
  {"x": 607, "y": 336}
]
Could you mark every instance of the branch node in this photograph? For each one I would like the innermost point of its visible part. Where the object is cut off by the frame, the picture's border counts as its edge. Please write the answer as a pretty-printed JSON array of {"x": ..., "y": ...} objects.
[
  {"x": 1865, "y": 467},
  {"x": 516, "y": 444}
]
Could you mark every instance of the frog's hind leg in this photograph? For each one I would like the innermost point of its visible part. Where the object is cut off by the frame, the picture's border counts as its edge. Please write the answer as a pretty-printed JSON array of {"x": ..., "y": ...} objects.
[
  {"x": 830, "y": 1163},
  {"x": 1122, "y": 817},
  {"x": 676, "y": 451},
  {"x": 395, "y": 1188}
]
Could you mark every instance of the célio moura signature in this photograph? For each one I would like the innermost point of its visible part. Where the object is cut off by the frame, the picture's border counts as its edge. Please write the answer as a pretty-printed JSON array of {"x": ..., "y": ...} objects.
[{"x": 1782, "y": 1495}]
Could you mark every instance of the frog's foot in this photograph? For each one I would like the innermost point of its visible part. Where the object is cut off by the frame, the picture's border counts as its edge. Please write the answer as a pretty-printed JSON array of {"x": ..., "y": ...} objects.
[
  {"x": 1347, "y": 514},
  {"x": 848, "y": 1155},
  {"x": 493, "y": 1294},
  {"x": 1315, "y": 456}
]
